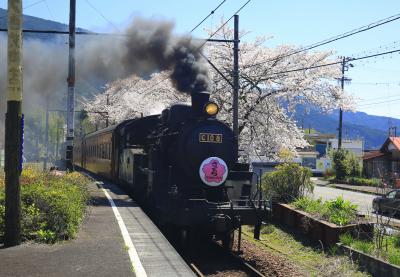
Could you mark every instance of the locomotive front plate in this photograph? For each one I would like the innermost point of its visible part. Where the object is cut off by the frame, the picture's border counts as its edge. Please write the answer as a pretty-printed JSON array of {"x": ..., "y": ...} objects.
[{"x": 210, "y": 138}]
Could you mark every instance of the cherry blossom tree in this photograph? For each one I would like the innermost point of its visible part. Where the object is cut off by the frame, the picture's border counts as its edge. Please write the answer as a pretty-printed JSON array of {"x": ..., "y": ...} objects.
[{"x": 271, "y": 86}]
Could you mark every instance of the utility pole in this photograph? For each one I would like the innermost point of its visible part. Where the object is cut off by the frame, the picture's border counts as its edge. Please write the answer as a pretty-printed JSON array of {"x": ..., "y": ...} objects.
[
  {"x": 71, "y": 87},
  {"x": 235, "y": 103},
  {"x": 14, "y": 123},
  {"x": 46, "y": 139},
  {"x": 57, "y": 138},
  {"x": 108, "y": 103},
  {"x": 342, "y": 80}
]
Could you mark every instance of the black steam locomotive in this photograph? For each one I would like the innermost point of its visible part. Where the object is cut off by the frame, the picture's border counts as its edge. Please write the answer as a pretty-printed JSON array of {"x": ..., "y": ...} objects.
[{"x": 179, "y": 164}]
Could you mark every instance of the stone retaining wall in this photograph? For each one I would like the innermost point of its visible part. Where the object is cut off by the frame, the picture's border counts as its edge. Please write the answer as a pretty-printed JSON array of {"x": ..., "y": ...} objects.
[
  {"x": 319, "y": 230},
  {"x": 375, "y": 266}
]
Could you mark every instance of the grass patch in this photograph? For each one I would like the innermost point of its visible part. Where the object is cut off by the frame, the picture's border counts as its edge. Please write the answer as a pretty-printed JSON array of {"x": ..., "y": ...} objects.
[
  {"x": 337, "y": 211},
  {"x": 390, "y": 251},
  {"x": 52, "y": 207},
  {"x": 312, "y": 261}
]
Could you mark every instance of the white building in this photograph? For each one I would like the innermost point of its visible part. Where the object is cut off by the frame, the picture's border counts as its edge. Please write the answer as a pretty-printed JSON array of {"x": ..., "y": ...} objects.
[{"x": 316, "y": 155}]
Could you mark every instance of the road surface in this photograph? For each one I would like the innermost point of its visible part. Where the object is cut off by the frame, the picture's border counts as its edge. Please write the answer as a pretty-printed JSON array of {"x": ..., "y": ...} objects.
[{"x": 363, "y": 200}]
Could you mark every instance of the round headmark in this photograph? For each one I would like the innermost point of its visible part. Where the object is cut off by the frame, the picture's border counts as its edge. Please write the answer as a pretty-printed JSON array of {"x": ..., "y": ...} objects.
[{"x": 213, "y": 171}]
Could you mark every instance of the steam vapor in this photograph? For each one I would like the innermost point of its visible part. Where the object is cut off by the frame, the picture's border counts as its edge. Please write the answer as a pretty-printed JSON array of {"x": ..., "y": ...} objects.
[{"x": 147, "y": 46}]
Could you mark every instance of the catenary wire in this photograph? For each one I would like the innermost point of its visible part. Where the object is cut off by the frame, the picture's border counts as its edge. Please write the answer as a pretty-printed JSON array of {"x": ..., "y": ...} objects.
[
  {"x": 211, "y": 13},
  {"x": 27, "y": 7},
  {"x": 102, "y": 15},
  {"x": 48, "y": 9},
  {"x": 335, "y": 38},
  {"x": 211, "y": 36},
  {"x": 333, "y": 63},
  {"x": 379, "y": 102}
]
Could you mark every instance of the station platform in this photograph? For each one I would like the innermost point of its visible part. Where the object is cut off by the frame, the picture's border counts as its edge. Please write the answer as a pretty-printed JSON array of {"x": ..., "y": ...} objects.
[{"x": 115, "y": 239}]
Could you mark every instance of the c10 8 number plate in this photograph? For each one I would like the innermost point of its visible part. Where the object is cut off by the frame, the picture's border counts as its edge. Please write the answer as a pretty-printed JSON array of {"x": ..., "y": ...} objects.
[{"x": 211, "y": 138}]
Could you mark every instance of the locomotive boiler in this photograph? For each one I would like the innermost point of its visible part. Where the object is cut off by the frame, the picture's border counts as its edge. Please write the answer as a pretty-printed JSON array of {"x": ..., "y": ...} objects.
[{"x": 180, "y": 165}]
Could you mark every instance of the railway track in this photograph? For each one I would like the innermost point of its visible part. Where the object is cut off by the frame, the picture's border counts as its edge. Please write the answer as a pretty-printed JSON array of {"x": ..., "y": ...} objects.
[{"x": 211, "y": 259}]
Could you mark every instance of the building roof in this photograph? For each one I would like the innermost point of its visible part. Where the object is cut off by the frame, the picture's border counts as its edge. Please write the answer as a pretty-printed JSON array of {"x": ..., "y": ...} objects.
[
  {"x": 394, "y": 140},
  {"x": 372, "y": 154}
]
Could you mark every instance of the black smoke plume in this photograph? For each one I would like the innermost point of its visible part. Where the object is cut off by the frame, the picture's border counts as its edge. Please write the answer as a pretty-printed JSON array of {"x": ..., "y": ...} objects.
[{"x": 147, "y": 46}]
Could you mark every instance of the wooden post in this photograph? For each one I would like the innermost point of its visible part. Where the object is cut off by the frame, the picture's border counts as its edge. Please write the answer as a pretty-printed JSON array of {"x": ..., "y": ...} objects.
[{"x": 13, "y": 131}]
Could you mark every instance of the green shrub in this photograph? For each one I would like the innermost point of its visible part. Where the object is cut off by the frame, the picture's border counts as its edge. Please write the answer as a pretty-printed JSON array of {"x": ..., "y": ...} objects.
[
  {"x": 340, "y": 211},
  {"x": 346, "y": 239},
  {"x": 358, "y": 181},
  {"x": 309, "y": 205},
  {"x": 390, "y": 252},
  {"x": 337, "y": 211},
  {"x": 394, "y": 258},
  {"x": 52, "y": 207},
  {"x": 329, "y": 174},
  {"x": 288, "y": 182},
  {"x": 339, "y": 164},
  {"x": 345, "y": 163},
  {"x": 366, "y": 247}
]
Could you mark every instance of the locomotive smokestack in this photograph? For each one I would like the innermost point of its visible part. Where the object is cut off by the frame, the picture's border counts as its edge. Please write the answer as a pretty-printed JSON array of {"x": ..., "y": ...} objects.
[{"x": 199, "y": 99}]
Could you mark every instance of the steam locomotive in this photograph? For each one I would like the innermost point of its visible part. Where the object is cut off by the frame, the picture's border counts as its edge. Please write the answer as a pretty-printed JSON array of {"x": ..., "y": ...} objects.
[{"x": 179, "y": 164}]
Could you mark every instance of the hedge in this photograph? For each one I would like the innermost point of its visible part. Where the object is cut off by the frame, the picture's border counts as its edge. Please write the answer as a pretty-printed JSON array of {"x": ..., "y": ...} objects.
[{"x": 52, "y": 207}]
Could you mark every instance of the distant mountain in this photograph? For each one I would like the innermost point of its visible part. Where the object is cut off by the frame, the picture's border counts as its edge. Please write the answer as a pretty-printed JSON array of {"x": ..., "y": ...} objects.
[
  {"x": 358, "y": 125},
  {"x": 36, "y": 23}
]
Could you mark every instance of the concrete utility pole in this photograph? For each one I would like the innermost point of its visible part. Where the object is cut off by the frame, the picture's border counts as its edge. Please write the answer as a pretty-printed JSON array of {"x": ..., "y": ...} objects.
[
  {"x": 108, "y": 104},
  {"x": 342, "y": 80},
  {"x": 46, "y": 139},
  {"x": 71, "y": 87},
  {"x": 235, "y": 103},
  {"x": 14, "y": 118}
]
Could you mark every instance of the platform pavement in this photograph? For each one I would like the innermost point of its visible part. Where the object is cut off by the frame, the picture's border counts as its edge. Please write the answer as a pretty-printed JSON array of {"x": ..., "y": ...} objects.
[{"x": 99, "y": 249}]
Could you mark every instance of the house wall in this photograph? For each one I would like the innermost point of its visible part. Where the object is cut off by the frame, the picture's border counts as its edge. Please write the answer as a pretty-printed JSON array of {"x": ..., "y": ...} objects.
[{"x": 376, "y": 167}]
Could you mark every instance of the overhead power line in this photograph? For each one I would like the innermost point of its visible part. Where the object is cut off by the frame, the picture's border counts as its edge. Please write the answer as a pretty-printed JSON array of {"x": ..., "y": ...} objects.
[
  {"x": 333, "y": 63},
  {"x": 210, "y": 37},
  {"x": 335, "y": 38},
  {"x": 380, "y": 102},
  {"x": 48, "y": 9},
  {"x": 33, "y": 4},
  {"x": 211, "y": 13},
  {"x": 27, "y": 7},
  {"x": 223, "y": 25},
  {"x": 102, "y": 15},
  {"x": 367, "y": 101}
]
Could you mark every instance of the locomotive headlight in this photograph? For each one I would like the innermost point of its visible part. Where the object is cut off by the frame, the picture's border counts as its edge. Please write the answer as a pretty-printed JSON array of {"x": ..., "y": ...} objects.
[{"x": 211, "y": 108}]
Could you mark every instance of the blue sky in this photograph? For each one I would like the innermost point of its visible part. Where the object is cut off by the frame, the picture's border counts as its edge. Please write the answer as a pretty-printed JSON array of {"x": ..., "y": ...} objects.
[{"x": 288, "y": 22}]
